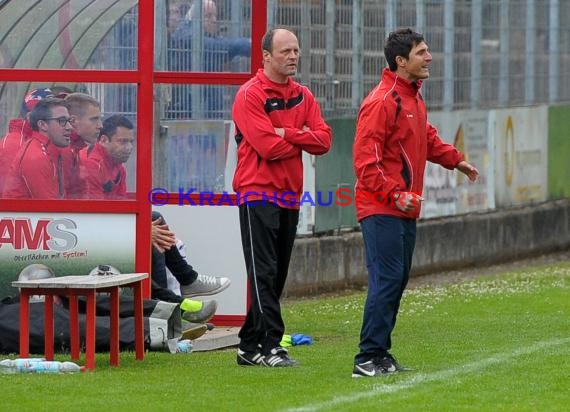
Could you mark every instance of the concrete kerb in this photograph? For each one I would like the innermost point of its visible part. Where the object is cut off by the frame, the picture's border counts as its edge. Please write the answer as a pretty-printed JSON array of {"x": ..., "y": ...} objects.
[{"x": 332, "y": 263}]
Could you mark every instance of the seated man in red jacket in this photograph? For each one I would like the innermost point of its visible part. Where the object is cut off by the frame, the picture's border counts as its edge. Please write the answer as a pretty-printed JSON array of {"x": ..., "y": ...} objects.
[
  {"x": 37, "y": 170},
  {"x": 106, "y": 176},
  {"x": 85, "y": 113},
  {"x": 103, "y": 162},
  {"x": 19, "y": 131}
]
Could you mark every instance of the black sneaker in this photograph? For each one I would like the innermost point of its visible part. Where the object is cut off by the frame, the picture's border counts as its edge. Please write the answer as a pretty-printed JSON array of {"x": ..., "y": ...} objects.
[
  {"x": 278, "y": 358},
  {"x": 370, "y": 369},
  {"x": 390, "y": 364},
  {"x": 249, "y": 358},
  {"x": 365, "y": 369}
]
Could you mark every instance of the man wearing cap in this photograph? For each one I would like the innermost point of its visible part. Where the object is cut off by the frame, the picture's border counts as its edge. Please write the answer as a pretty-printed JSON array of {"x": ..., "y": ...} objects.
[
  {"x": 37, "y": 169},
  {"x": 19, "y": 131}
]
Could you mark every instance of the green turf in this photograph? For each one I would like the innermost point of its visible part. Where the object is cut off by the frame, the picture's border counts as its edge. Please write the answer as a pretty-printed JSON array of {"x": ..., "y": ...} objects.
[{"x": 499, "y": 343}]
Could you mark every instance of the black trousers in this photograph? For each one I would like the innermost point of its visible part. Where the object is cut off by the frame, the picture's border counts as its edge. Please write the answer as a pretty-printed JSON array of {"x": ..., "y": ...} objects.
[
  {"x": 173, "y": 260},
  {"x": 267, "y": 233}
]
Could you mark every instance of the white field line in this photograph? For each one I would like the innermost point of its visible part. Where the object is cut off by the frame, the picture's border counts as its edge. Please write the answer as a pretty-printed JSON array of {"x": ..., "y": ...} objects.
[{"x": 418, "y": 379}]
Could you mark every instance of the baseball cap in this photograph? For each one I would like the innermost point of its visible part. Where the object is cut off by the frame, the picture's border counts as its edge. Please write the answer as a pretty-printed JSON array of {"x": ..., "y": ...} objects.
[{"x": 33, "y": 97}]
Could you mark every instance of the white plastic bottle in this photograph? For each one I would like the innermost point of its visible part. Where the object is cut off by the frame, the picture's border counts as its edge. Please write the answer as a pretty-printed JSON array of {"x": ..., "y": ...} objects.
[
  {"x": 184, "y": 346},
  {"x": 37, "y": 365}
]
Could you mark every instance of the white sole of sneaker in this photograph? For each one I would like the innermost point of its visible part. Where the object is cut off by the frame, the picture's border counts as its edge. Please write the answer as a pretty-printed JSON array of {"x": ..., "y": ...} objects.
[{"x": 210, "y": 293}]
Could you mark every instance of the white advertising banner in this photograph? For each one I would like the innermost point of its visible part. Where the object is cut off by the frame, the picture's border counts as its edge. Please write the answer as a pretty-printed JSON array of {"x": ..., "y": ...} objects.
[
  {"x": 450, "y": 192},
  {"x": 69, "y": 243},
  {"x": 521, "y": 137},
  {"x": 212, "y": 238}
]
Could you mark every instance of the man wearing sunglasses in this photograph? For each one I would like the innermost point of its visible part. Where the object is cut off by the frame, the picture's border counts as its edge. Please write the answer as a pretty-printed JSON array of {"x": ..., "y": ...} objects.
[{"x": 37, "y": 170}]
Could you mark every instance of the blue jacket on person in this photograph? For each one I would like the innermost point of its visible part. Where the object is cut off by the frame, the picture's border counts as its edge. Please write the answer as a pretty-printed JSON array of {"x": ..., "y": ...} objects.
[{"x": 217, "y": 53}]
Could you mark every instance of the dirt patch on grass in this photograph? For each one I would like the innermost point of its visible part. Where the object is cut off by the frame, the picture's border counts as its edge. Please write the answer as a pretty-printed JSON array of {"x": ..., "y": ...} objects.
[{"x": 462, "y": 275}]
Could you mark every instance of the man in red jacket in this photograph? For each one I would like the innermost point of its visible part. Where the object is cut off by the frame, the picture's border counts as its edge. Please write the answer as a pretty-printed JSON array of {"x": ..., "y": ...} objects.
[
  {"x": 19, "y": 131},
  {"x": 392, "y": 144},
  {"x": 37, "y": 170},
  {"x": 85, "y": 112},
  {"x": 103, "y": 163},
  {"x": 276, "y": 119}
]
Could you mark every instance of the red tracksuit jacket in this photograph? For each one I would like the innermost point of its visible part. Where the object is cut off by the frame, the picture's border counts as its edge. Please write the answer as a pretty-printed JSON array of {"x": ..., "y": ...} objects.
[
  {"x": 268, "y": 164},
  {"x": 75, "y": 185},
  {"x": 104, "y": 178},
  {"x": 19, "y": 132},
  {"x": 37, "y": 171},
  {"x": 392, "y": 144}
]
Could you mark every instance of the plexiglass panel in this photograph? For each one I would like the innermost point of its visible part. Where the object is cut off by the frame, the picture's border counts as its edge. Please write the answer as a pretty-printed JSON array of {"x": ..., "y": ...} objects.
[
  {"x": 194, "y": 155},
  {"x": 68, "y": 141},
  {"x": 196, "y": 101},
  {"x": 216, "y": 38},
  {"x": 66, "y": 34}
]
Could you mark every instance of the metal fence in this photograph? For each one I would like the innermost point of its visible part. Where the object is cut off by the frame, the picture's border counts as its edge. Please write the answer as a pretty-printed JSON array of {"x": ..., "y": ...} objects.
[{"x": 486, "y": 53}]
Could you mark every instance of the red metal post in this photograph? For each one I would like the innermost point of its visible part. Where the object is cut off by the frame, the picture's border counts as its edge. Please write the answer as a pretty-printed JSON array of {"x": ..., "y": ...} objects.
[
  {"x": 24, "y": 323},
  {"x": 144, "y": 137},
  {"x": 90, "y": 329},
  {"x": 114, "y": 327},
  {"x": 74, "y": 333},
  {"x": 48, "y": 326}
]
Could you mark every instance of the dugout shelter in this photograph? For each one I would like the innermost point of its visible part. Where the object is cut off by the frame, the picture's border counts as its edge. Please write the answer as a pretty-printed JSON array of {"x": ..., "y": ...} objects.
[{"x": 121, "y": 53}]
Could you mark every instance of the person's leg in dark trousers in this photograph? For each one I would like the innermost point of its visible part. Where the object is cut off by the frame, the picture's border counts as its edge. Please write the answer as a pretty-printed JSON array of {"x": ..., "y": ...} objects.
[
  {"x": 389, "y": 243},
  {"x": 267, "y": 250},
  {"x": 159, "y": 286},
  {"x": 179, "y": 267},
  {"x": 259, "y": 231},
  {"x": 287, "y": 231},
  {"x": 158, "y": 260},
  {"x": 158, "y": 268},
  {"x": 409, "y": 242},
  {"x": 182, "y": 271}
]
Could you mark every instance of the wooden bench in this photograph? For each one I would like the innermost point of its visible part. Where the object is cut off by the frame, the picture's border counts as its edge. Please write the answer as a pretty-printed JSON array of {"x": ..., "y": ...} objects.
[{"x": 89, "y": 286}]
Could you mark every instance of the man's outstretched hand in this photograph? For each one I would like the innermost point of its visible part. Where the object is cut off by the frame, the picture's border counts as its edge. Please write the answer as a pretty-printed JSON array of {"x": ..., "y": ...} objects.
[{"x": 468, "y": 170}]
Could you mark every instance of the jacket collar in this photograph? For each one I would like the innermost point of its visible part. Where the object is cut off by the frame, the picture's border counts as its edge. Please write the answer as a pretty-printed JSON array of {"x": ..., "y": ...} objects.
[
  {"x": 403, "y": 86},
  {"x": 100, "y": 152},
  {"x": 49, "y": 148},
  {"x": 270, "y": 84},
  {"x": 19, "y": 125},
  {"x": 77, "y": 143},
  {"x": 43, "y": 139}
]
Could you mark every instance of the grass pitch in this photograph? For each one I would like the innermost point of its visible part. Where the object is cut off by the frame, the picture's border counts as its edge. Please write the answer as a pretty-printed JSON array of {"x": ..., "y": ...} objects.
[{"x": 498, "y": 343}]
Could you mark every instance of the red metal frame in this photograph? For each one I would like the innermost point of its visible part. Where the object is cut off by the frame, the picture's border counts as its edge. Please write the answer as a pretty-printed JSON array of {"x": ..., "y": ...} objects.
[
  {"x": 145, "y": 77},
  {"x": 74, "y": 333}
]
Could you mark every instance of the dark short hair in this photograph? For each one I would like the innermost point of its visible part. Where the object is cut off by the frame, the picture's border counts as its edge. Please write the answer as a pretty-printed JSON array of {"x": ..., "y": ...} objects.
[
  {"x": 110, "y": 125},
  {"x": 43, "y": 110},
  {"x": 61, "y": 91},
  {"x": 400, "y": 43},
  {"x": 267, "y": 41}
]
